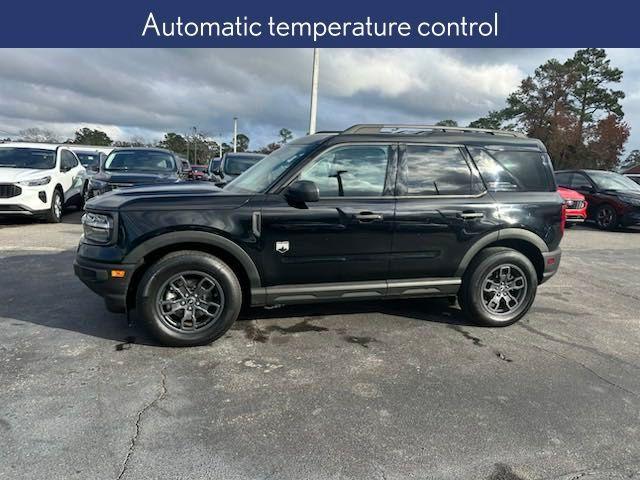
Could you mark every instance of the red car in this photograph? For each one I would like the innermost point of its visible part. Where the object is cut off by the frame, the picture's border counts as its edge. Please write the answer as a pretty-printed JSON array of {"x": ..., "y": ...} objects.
[{"x": 576, "y": 205}]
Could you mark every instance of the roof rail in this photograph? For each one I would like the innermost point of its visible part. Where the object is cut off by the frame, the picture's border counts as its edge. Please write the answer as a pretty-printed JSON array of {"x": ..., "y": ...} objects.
[{"x": 362, "y": 129}]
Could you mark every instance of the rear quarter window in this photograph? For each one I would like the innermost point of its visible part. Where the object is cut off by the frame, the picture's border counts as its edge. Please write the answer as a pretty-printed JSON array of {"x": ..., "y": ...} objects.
[{"x": 514, "y": 170}]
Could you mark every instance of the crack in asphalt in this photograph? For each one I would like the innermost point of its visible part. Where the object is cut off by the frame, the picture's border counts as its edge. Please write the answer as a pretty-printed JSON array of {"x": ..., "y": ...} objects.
[
  {"x": 589, "y": 369},
  {"x": 138, "y": 423},
  {"x": 569, "y": 343}
]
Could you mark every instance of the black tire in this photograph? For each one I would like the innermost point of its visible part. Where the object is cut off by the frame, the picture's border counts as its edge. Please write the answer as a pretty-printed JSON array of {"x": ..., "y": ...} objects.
[
  {"x": 54, "y": 214},
  {"x": 606, "y": 217},
  {"x": 568, "y": 225},
  {"x": 486, "y": 270},
  {"x": 153, "y": 290}
]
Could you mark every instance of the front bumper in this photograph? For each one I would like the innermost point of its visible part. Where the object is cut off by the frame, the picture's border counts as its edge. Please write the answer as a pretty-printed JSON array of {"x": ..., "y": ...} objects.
[
  {"x": 630, "y": 217},
  {"x": 30, "y": 201},
  {"x": 551, "y": 264},
  {"x": 98, "y": 277}
]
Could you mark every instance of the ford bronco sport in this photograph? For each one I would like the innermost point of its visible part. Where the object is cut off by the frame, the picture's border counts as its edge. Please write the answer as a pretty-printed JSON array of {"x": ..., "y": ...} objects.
[{"x": 375, "y": 211}]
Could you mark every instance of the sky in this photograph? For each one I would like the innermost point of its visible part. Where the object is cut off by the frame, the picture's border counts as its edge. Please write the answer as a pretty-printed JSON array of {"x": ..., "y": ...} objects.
[{"x": 145, "y": 92}]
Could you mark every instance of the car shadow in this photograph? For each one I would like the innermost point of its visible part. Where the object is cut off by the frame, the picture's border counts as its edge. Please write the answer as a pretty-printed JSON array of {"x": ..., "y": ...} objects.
[
  {"x": 42, "y": 289},
  {"x": 593, "y": 227},
  {"x": 70, "y": 216}
]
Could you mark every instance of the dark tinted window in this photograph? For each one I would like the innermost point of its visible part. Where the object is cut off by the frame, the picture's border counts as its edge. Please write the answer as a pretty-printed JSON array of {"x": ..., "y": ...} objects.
[
  {"x": 27, "y": 158},
  {"x": 578, "y": 180},
  {"x": 350, "y": 171},
  {"x": 88, "y": 160},
  {"x": 514, "y": 170},
  {"x": 141, "y": 160},
  {"x": 563, "y": 179},
  {"x": 237, "y": 164},
  {"x": 68, "y": 160},
  {"x": 437, "y": 171}
]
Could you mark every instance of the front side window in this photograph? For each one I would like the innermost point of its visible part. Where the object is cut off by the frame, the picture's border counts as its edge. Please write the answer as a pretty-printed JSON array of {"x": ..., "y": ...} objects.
[
  {"x": 68, "y": 160},
  {"x": 140, "y": 160},
  {"x": 36, "y": 158},
  {"x": 431, "y": 170},
  {"x": 580, "y": 181},
  {"x": 349, "y": 171}
]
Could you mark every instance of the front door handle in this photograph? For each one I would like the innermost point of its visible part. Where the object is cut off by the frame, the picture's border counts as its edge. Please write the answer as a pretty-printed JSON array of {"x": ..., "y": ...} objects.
[
  {"x": 471, "y": 215},
  {"x": 368, "y": 216}
]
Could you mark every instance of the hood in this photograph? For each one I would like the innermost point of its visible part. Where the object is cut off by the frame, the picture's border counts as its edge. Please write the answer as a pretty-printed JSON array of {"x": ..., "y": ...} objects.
[
  {"x": 568, "y": 194},
  {"x": 169, "y": 196},
  {"x": 626, "y": 193},
  {"x": 136, "y": 178},
  {"x": 14, "y": 175}
]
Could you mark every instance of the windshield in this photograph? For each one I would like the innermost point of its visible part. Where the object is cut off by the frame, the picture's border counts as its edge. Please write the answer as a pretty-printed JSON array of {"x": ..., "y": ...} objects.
[
  {"x": 613, "y": 181},
  {"x": 237, "y": 164},
  {"x": 141, "y": 160},
  {"x": 260, "y": 177},
  {"x": 27, "y": 158},
  {"x": 88, "y": 160}
]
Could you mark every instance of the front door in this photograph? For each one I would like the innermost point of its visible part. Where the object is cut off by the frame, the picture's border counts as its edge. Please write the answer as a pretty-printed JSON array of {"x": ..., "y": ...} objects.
[
  {"x": 442, "y": 208},
  {"x": 346, "y": 235}
]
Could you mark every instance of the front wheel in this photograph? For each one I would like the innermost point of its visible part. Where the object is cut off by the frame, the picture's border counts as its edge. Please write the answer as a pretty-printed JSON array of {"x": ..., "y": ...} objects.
[
  {"x": 54, "y": 214},
  {"x": 606, "y": 217},
  {"x": 499, "y": 287},
  {"x": 189, "y": 298}
]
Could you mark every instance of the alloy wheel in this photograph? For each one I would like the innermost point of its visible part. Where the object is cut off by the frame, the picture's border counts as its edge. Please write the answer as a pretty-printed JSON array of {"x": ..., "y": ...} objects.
[
  {"x": 190, "y": 301},
  {"x": 57, "y": 206},
  {"x": 605, "y": 216},
  {"x": 504, "y": 289}
]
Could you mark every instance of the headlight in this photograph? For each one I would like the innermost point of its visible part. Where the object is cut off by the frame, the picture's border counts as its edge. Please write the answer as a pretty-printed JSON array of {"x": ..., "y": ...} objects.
[
  {"x": 36, "y": 182},
  {"x": 97, "y": 184},
  {"x": 97, "y": 227},
  {"x": 630, "y": 200}
]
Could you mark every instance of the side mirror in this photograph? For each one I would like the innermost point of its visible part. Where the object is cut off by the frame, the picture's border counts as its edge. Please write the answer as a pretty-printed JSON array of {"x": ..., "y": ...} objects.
[{"x": 302, "y": 191}]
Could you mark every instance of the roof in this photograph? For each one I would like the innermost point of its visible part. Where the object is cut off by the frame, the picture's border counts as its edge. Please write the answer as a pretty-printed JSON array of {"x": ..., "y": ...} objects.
[
  {"x": 144, "y": 149},
  {"x": 432, "y": 134},
  {"x": 41, "y": 146}
]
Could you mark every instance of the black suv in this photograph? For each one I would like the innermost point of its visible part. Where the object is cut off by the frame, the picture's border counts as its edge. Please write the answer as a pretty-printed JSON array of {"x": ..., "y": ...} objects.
[
  {"x": 126, "y": 167},
  {"x": 372, "y": 212}
]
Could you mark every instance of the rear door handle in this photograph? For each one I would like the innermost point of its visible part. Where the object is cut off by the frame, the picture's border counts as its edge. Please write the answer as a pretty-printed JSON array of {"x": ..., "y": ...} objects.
[
  {"x": 471, "y": 215},
  {"x": 368, "y": 216}
]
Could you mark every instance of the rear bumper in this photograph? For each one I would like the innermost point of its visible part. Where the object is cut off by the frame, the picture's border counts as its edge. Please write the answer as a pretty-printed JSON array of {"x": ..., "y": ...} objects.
[
  {"x": 551, "y": 264},
  {"x": 97, "y": 276}
]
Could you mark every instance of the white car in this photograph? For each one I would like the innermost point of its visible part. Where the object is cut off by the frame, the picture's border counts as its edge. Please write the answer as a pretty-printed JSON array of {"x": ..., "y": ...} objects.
[{"x": 38, "y": 180}]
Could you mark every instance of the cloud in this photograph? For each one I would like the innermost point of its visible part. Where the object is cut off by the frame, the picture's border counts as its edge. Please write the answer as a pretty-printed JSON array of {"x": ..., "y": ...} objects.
[{"x": 146, "y": 92}]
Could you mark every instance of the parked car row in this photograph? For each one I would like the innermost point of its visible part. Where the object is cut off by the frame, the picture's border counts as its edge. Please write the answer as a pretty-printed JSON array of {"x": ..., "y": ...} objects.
[{"x": 612, "y": 199}]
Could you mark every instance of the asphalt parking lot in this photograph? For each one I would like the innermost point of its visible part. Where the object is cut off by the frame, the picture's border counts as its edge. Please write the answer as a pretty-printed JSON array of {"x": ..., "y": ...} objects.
[{"x": 395, "y": 390}]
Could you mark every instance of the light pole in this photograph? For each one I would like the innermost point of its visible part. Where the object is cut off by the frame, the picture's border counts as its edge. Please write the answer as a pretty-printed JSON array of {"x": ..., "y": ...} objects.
[
  {"x": 314, "y": 91},
  {"x": 235, "y": 134},
  {"x": 195, "y": 146}
]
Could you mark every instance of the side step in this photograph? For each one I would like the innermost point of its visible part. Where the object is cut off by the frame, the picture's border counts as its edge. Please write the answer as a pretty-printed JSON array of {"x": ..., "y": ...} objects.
[{"x": 321, "y": 292}]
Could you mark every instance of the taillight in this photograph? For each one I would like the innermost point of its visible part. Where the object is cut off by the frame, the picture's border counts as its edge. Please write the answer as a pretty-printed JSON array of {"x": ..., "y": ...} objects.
[{"x": 563, "y": 218}]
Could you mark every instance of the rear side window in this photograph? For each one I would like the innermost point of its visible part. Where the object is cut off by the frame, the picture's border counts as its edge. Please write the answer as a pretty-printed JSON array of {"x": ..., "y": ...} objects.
[
  {"x": 509, "y": 171},
  {"x": 431, "y": 170}
]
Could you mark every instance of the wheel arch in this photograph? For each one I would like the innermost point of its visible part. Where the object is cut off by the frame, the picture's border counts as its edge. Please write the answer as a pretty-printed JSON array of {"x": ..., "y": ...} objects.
[
  {"x": 523, "y": 241},
  {"x": 226, "y": 250}
]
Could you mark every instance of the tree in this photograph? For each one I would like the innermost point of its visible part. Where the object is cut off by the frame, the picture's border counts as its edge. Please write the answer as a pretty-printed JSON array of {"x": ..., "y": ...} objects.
[
  {"x": 285, "y": 135},
  {"x": 174, "y": 142},
  {"x": 492, "y": 121},
  {"x": 38, "y": 135},
  {"x": 272, "y": 147},
  {"x": 242, "y": 142},
  {"x": 88, "y": 136},
  {"x": 447, "y": 123},
  {"x": 572, "y": 108},
  {"x": 632, "y": 160}
]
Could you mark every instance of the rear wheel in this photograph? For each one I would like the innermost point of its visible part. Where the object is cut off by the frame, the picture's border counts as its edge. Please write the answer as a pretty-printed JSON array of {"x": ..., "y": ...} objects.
[
  {"x": 606, "y": 217},
  {"x": 499, "y": 287},
  {"x": 189, "y": 298}
]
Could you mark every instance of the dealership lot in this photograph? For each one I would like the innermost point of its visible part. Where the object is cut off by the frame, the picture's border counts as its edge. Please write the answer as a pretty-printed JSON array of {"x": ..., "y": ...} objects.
[{"x": 403, "y": 389}]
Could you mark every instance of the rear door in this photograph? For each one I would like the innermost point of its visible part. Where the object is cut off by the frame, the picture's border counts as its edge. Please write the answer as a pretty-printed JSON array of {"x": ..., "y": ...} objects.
[
  {"x": 346, "y": 235},
  {"x": 442, "y": 208}
]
